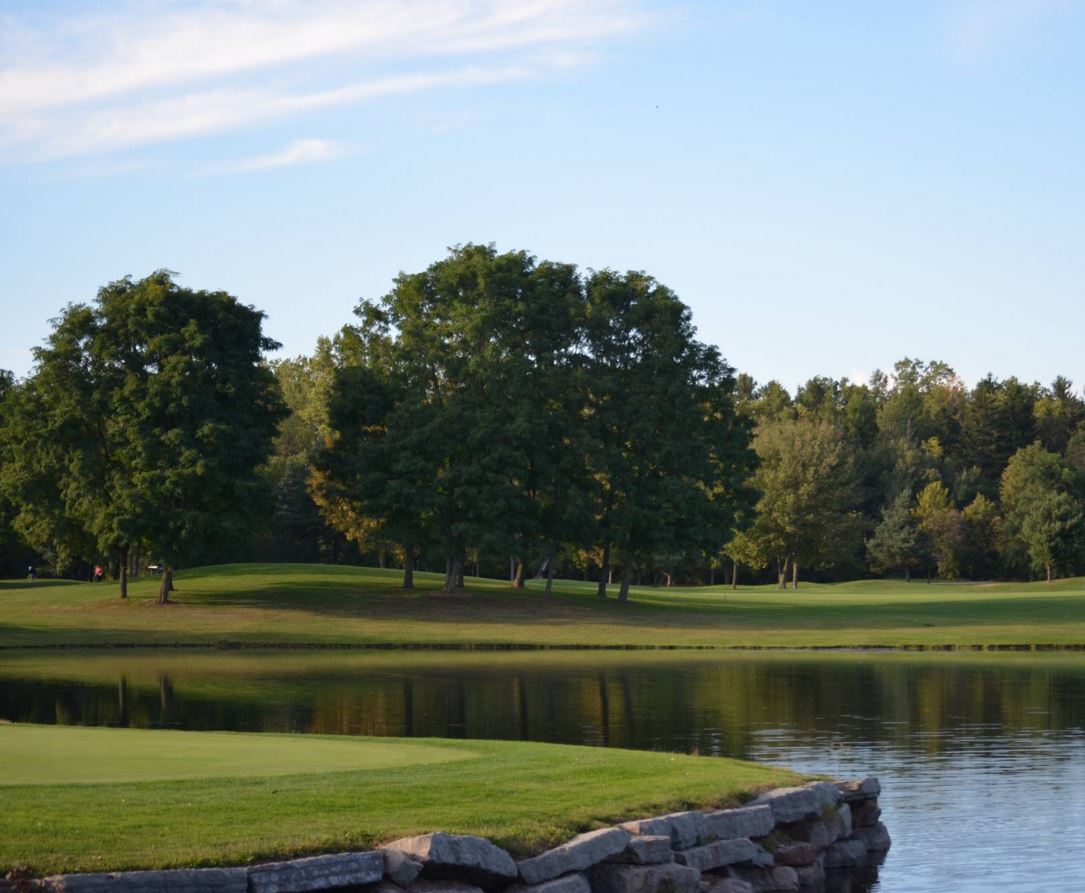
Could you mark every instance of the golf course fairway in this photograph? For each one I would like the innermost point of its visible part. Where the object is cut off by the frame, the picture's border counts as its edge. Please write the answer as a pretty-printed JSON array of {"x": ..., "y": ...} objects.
[{"x": 310, "y": 605}]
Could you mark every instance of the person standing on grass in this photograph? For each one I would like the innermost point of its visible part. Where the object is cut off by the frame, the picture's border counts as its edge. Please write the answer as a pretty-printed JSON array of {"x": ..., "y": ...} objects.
[{"x": 31, "y": 574}]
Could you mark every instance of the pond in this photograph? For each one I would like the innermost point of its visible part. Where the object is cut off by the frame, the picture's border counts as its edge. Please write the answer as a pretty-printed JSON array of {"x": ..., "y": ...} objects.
[{"x": 982, "y": 758}]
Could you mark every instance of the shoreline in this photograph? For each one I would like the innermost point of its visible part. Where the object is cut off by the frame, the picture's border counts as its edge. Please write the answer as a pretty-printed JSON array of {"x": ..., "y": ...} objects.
[{"x": 529, "y": 647}]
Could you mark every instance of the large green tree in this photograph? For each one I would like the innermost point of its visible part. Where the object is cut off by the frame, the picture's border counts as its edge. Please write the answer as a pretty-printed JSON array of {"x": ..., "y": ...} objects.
[
  {"x": 1053, "y": 530},
  {"x": 61, "y": 450},
  {"x": 456, "y": 424},
  {"x": 298, "y": 530},
  {"x": 806, "y": 513},
  {"x": 507, "y": 406},
  {"x": 153, "y": 409},
  {"x": 667, "y": 446},
  {"x": 372, "y": 478},
  {"x": 14, "y": 553},
  {"x": 942, "y": 527},
  {"x": 1041, "y": 503}
]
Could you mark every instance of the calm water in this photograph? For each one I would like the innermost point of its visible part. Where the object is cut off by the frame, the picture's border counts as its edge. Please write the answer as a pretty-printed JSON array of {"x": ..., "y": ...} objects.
[{"x": 982, "y": 759}]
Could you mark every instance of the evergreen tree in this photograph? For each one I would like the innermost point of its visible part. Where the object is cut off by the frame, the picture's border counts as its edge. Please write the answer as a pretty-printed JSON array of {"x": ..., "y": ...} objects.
[
  {"x": 1059, "y": 413},
  {"x": 895, "y": 543},
  {"x": 980, "y": 536}
]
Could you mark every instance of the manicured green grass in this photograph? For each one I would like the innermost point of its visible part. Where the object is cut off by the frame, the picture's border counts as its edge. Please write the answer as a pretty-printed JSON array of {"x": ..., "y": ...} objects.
[
  {"x": 81, "y": 755},
  {"x": 525, "y": 796},
  {"x": 325, "y": 605}
]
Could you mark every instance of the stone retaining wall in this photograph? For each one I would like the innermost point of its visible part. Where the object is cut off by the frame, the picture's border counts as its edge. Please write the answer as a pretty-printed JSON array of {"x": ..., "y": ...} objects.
[{"x": 782, "y": 841}]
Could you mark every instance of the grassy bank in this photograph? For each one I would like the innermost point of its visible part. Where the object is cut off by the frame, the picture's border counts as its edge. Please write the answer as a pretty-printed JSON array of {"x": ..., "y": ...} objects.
[
  {"x": 97, "y": 798},
  {"x": 325, "y": 605}
]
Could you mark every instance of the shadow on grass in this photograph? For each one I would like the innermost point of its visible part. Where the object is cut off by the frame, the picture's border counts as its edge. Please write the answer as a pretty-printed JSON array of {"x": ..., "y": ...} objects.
[
  {"x": 346, "y": 604},
  {"x": 17, "y": 585},
  {"x": 365, "y": 593}
]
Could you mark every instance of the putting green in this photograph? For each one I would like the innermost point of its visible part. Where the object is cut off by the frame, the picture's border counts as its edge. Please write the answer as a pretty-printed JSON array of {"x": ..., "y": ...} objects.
[{"x": 78, "y": 755}]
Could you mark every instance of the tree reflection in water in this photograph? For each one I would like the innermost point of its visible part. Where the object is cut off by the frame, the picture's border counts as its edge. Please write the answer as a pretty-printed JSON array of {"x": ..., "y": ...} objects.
[{"x": 990, "y": 729}]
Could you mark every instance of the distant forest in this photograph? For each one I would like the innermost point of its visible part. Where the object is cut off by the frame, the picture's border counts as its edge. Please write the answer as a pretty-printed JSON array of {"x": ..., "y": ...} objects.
[{"x": 501, "y": 416}]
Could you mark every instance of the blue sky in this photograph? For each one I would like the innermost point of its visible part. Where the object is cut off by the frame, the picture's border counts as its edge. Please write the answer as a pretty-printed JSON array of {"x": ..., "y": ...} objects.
[{"x": 830, "y": 186}]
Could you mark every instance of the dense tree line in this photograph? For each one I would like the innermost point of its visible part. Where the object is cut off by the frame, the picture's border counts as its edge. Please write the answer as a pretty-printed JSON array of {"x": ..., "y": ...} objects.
[
  {"x": 917, "y": 472},
  {"x": 503, "y": 415}
]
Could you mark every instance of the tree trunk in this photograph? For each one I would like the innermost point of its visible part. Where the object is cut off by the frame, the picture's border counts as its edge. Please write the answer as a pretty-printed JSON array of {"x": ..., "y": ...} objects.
[
  {"x": 670, "y": 581},
  {"x": 512, "y": 568},
  {"x": 550, "y": 559},
  {"x": 734, "y": 575},
  {"x": 604, "y": 571},
  {"x": 907, "y": 574},
  {"x": 408, "y": 568},
  {"x": 781, "y": 571},
  {"x": 794, "y": 573},
  {"x": 1048, "y": 568},
  {"x": 167, "y": 585},
  {"x": 518, "y": 576},
  {"x": 454, "y": 577},
  {"x": 627, "y": 576},
  {"x": 165, "y": 693},
  {"x": 122, "y": 702},
  {"x": 124, "y": 573}
]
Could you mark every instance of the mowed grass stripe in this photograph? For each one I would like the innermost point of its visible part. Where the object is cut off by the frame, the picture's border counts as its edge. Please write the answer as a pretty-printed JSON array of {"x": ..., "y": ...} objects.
[
  {"x": 525, "y": 796},
  {"x": 80, "y": 755}
]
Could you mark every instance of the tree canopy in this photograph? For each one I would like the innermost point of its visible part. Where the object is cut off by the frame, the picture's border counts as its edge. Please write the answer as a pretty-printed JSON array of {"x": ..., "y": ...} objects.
[
  {"x": 143, "y": 423},
  {"x": 516, "y": 407}
]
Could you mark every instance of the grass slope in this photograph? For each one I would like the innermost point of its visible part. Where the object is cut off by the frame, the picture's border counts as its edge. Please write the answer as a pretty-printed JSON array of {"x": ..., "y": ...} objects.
[
  {"x": 327, "y": 605},
  {"x": 524, "y": 796}
]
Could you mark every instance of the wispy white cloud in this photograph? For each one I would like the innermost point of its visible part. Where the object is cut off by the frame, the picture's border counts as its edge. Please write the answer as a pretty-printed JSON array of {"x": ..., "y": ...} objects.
[
  {"x": 979, "y": 30},
  {"x": 196, "y": 114},
  {"x": 145, "y": 73},
  {"x": 305, "y": 151}
]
